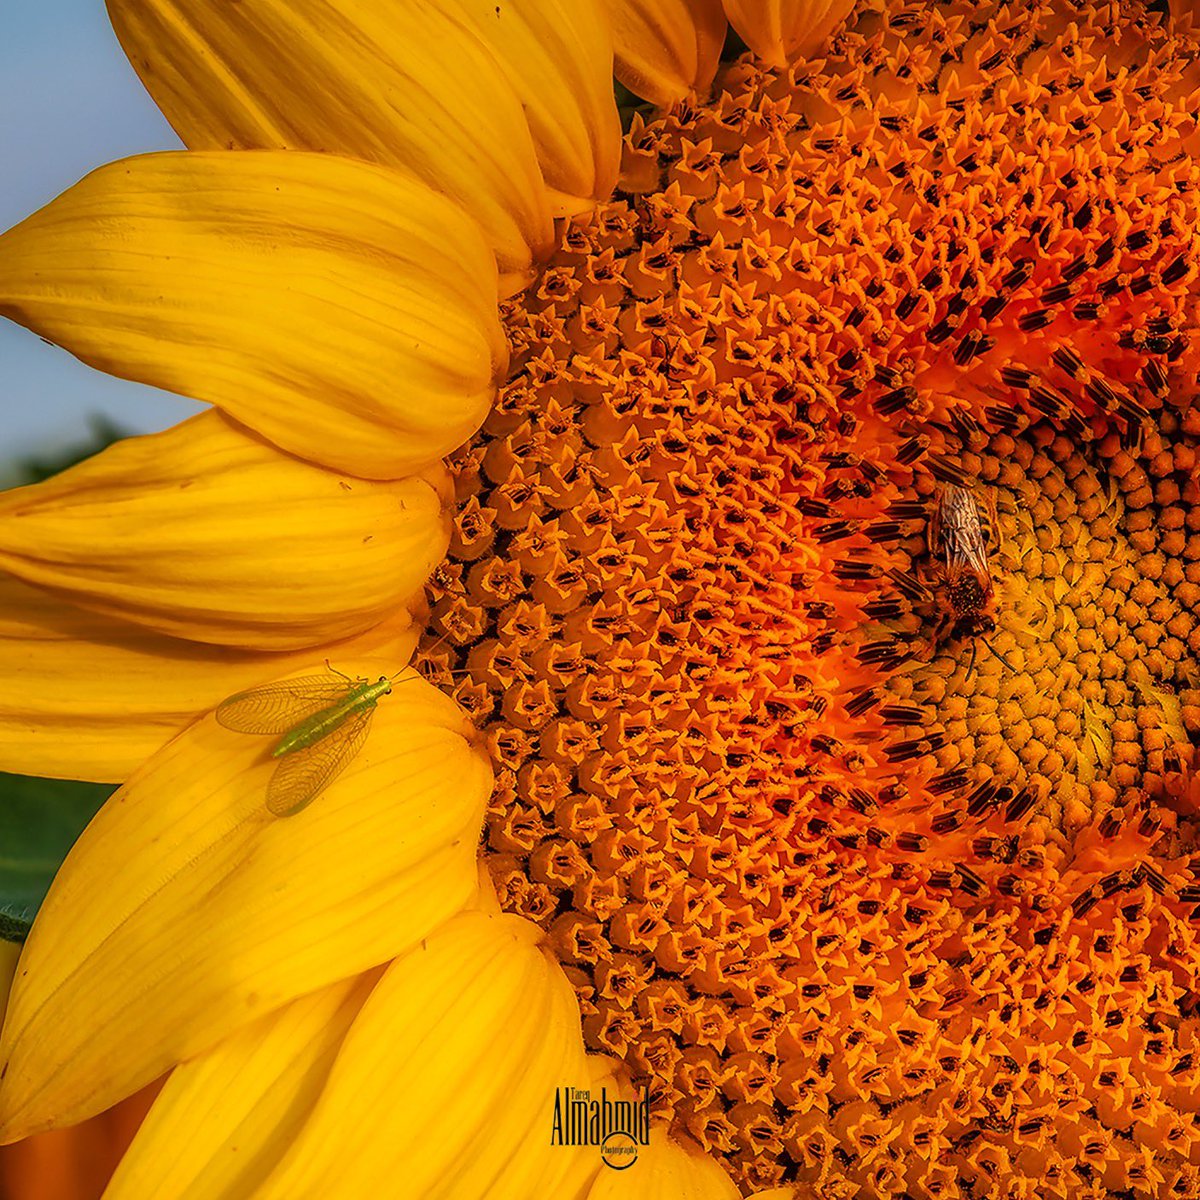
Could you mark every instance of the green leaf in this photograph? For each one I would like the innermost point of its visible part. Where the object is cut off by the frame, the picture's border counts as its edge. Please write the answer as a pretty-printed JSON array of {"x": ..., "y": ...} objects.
[{"x": 39, "y": 822}]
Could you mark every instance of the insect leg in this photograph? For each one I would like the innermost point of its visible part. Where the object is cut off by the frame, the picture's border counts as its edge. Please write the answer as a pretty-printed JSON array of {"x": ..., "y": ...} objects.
[
  {"x": 993, "y": 520},
  {"x": 933, "y": 530},
  {"x": 348, "y": 678},
  {"x": 1000, "y": 657},
  {"x": 941, "y": 623}
]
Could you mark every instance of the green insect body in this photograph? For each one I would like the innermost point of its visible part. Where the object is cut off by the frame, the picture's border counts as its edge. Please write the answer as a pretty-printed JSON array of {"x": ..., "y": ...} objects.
[
  {"x": 322, "y": 722},
  {"x": 312, "y": 729}
]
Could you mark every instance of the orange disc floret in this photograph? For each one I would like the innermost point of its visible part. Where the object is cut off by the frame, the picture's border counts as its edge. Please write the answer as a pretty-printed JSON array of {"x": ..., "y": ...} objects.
[{"x": 875, "y": 895}]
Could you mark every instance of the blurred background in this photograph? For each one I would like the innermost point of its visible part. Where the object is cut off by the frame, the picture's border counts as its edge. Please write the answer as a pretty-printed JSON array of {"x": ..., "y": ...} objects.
[{"x": 69, "y": 101}]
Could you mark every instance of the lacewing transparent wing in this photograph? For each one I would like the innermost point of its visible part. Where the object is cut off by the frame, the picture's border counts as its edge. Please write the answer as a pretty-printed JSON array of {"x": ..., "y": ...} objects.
[
  {"x": 323, "y": 720},
  {"x": 303, "y": 774},
  {"x": 279, "y": 707}
]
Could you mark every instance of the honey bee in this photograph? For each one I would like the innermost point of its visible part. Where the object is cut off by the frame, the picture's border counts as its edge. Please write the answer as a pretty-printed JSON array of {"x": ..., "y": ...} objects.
[{"x": 959, "y": 551}]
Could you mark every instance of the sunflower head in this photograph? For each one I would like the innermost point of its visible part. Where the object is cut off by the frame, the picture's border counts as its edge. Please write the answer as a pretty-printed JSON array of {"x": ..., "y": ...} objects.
[
  {"x": 819, "y": 828},
  {"x": 822, "y": 587}
]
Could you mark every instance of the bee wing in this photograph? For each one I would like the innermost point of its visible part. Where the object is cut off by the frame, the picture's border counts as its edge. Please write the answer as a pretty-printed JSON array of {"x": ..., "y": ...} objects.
[
  {"x": 959, "y": 531},
  {"x": 302, "y": 775},
  {"x": 278, "y": 707}
]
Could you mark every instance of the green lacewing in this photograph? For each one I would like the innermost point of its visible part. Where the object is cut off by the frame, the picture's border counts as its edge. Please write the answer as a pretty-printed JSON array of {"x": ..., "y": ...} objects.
[{"x": 324, "y": 721}]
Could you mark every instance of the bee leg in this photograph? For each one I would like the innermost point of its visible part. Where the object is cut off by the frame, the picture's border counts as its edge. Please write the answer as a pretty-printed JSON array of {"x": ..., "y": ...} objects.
[
  {"x": 994, "y": 537},
  {"x": 933, "y": 530},
  {"x": 938, "y": 636},
  {"x": 1001, "y": 657},
  {"x": 971, "y": 664}
]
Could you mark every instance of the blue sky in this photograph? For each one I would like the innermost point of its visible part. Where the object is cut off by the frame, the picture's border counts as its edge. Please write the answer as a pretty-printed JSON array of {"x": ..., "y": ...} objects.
[{"x": 69, "y": 102}]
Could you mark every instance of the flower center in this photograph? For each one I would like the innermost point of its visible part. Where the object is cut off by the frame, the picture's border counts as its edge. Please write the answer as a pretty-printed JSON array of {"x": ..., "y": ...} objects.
[
  {"x": 825, "y": 579},
  {"x": 1082, "y": 700}
]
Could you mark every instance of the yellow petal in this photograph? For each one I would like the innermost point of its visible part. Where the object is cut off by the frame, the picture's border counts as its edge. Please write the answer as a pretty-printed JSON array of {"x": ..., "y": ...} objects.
[
  {"x": 223, "y": 1120},
  {"x": 665, "y": 1170},
  {"x": 782, "y": 31},
  {"x": 557, "y": 55},
  {"x": 9, "y": 952},
  {"x": 186, "y": 910},
  {"x": 667, "y": 48},
  {"x": 446, "y": 1080},
  {"x": 345, "y": 312},
  {"x": 85, "y": 697},
  {"x": 404, "y": 84},
  {"x": 209, "y": 533},
  {"x": 607, "y": 1071}
]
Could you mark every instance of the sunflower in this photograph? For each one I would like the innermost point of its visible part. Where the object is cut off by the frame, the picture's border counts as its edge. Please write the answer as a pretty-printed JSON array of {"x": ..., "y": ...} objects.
[{"x": 805, "y": 551}]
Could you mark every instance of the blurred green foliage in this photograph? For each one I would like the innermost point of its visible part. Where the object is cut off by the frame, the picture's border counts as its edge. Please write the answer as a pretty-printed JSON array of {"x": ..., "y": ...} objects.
[
  {"x": 35, "y": 467},
  {"x": 39, "y": 822}
]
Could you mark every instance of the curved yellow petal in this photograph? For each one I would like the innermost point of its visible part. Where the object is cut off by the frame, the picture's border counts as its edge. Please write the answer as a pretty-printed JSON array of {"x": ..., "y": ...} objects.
[
  {"x": 665, "y": 1170},
  {"x": 609, "y": 1072},
  {"x": 447, "y": 1079},
  {"x": 342, "y": 310},
  {"x": 208, "y": 533},
  {"x": 224, "y": 1119},
  {"x": 667, "y": 48},
  {"x": 406, "y": 84},
  {"x": 557, "y": 55},
  {"x": 782, "y": 31},
  {"x": 220, "y": 913},
  {"x": 83, "y": 696}
]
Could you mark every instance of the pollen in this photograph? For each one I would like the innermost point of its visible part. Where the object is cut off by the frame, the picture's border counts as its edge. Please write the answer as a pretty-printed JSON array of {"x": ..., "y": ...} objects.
[{"x": 873, "y": 897}]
